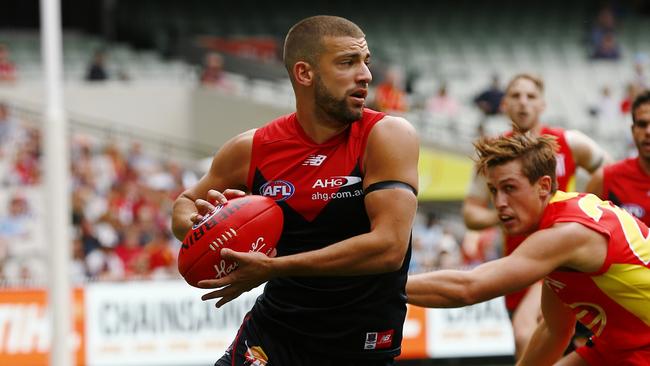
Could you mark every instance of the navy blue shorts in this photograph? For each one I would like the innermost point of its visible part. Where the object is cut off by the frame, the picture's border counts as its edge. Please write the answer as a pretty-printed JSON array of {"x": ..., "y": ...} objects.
[{"x": 254, "y": 348}]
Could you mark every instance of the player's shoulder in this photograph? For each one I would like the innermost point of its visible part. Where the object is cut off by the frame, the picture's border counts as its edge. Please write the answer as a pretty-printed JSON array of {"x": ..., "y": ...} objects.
[
  {"x": 394, "y": 124},
  {"x": 238, "y": 144}
]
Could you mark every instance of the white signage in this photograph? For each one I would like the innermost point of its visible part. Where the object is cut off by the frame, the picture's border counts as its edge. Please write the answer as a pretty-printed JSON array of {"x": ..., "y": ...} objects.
[
  {"x": 479, "y": 330},
  {"x": 158, "y": 323}
]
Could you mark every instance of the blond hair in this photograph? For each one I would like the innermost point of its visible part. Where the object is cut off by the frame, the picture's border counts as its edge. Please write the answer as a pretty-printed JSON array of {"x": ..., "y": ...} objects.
[
  {"x": 536, "y": 154},
  {"x": 538, "y": 81}
]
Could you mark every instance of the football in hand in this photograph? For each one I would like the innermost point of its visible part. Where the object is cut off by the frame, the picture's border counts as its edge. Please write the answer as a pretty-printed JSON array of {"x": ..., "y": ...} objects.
[{"x": 243, "y": 224}]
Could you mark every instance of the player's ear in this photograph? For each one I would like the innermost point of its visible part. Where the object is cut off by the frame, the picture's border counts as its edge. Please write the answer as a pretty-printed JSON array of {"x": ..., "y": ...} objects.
[
  {"x": 545, "y": 184},
  {"x": 303, "y": 73}
]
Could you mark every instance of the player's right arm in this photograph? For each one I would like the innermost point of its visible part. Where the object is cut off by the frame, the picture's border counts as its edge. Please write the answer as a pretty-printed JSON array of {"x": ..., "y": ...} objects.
[
  {"x": 228, "y": 174},
  {"x": 476, "y": 211},
  {"x": 586, "y": 152},
  {"x": 552, "y": 334},
  {"x": 569, "y": 245},
  {"x": 595, "y": 184}
]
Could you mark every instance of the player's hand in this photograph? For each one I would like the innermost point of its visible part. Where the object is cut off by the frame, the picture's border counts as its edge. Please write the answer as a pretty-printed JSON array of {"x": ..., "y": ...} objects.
[
  {"x": 253, "y": 269},
  {"x": 213, "y": 198}
]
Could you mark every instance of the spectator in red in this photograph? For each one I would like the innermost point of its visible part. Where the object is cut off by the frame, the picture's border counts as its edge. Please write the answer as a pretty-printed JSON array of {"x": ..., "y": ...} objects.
[
  {"x": 7, "y": 67},
  {"x": 389, "y": 96},
  {"x": 213, "y": 75},
  {"x": 631, "y": 92},
  {"x": 131, "y": 252},
  {"x": 161, "y": 259}
]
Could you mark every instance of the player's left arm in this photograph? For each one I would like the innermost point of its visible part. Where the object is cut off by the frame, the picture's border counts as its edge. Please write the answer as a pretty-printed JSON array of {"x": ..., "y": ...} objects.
[
  {"x": 391, "y": 156},
  {"x": 553, "y": 333},
  {"x": 587, "y": 154}
]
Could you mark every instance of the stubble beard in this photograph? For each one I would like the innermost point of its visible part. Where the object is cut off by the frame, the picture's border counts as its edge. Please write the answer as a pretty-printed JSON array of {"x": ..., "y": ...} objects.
[{"x": 336, "y": 109}]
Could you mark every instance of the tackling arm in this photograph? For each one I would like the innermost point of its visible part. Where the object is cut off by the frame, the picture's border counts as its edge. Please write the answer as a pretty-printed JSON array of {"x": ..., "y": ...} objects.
[{"x": 541, "y": 253}]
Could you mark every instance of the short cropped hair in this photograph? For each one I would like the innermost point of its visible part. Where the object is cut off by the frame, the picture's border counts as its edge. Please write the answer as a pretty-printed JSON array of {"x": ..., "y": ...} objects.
[
  {"x": 537, "y": 155},
  {"x": 640, "y": 100},
  {"x": 304, "y": 41},
  {"x": 539, "y": 83}
]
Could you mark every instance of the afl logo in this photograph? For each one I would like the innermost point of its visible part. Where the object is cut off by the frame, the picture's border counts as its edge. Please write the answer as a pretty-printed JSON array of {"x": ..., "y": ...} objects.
[
  {"x": 635, "y": 210},
  {"x": 278, "y": 190}
]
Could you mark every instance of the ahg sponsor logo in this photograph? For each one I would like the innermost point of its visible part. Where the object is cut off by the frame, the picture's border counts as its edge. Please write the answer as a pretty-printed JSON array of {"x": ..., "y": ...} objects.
[
  {"x": 278, "y": 190},
  {"x": 336, "y": 182}
]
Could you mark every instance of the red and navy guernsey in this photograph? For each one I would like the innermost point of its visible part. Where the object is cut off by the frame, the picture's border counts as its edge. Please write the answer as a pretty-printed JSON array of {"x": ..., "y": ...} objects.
[{"x": 319, "y": 187}]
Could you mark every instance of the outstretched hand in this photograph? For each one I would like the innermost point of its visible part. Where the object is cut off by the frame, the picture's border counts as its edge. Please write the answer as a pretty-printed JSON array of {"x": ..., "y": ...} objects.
[{"x": 253, "y": 269}]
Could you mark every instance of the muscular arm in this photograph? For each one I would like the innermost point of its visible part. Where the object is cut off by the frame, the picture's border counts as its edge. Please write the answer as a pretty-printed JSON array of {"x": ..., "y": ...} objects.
[
  {"x": 391, "y": 154},
  {"x": 552, "y": 334},
  {"x": 476, "y": 212},
  {"x": 587, "y": 154},
  {"x": 566, "y": 244},
  {"x": 229, "y": 169}
]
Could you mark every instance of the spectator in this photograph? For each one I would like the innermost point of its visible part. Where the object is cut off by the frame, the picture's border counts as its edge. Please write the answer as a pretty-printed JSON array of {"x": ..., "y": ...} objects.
[
  {"x": 160, "y": 259},
  {"x": 7, "y": 67},
  {"x": 607, "y": 113},
  {"x": 132, "y": 253},
  {"x": 449, "y": 254},
  {"x": 103, "y": 263},
  {"x": 631, "y": 91},
  {"x": 489, "y": 102},
  {"x": 427, "y": 240},
  {"x": 8, "y": 131},
  {"x": 97, "y": 68},
  {"x": 640, "y": 78},
  {"x": 443, "y": 105},
  {"x": 78, "y": 269},
  {"x": 607, "y": 48},
  {"x": 213, "y": 75},
  {"x": 604, "y": 24},
  {"x": 389, "y": 95}
]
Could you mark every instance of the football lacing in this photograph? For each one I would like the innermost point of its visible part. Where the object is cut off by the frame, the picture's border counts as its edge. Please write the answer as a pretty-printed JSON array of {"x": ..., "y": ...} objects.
[{"x": 223, "y": 239}]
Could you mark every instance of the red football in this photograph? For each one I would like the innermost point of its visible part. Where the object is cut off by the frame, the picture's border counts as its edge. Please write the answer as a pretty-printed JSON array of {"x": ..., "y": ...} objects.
[{"x": 244, "y": 224}]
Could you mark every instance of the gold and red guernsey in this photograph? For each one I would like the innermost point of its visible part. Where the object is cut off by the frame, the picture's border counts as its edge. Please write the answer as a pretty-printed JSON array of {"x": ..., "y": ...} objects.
[
  {"x": 565, "y": 173},
  {"x": 612, "y": 302}
]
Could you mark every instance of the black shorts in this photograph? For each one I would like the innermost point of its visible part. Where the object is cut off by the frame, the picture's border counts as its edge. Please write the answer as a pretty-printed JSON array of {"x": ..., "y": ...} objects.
[{"x": 252, "y": 347}]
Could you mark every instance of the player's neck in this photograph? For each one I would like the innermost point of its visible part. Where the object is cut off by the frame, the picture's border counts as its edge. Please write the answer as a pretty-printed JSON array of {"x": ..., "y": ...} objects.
[{"x": 319, "y": 129}]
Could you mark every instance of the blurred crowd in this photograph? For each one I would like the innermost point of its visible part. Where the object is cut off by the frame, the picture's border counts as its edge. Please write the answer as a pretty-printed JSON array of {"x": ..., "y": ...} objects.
[
  {"x": 121, "y": 202},
  {"x": 440, "y": 243}
]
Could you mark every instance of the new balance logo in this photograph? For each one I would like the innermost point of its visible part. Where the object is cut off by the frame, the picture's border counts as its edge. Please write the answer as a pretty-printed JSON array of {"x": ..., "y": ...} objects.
[{"x": 314, "y": 160}]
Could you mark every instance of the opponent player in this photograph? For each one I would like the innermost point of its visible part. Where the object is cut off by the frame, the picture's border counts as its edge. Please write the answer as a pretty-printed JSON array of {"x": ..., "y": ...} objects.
[
  {"x": 627, "y": 182},
  {"x": 524, "y": 103},
  {"x": 346, "y": 179},
  {"x": 594, "y": 258}
]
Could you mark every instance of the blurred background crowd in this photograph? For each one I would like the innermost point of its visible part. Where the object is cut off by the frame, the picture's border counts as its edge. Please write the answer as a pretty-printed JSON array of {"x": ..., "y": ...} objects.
[{"x": 442, "y": 66}]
